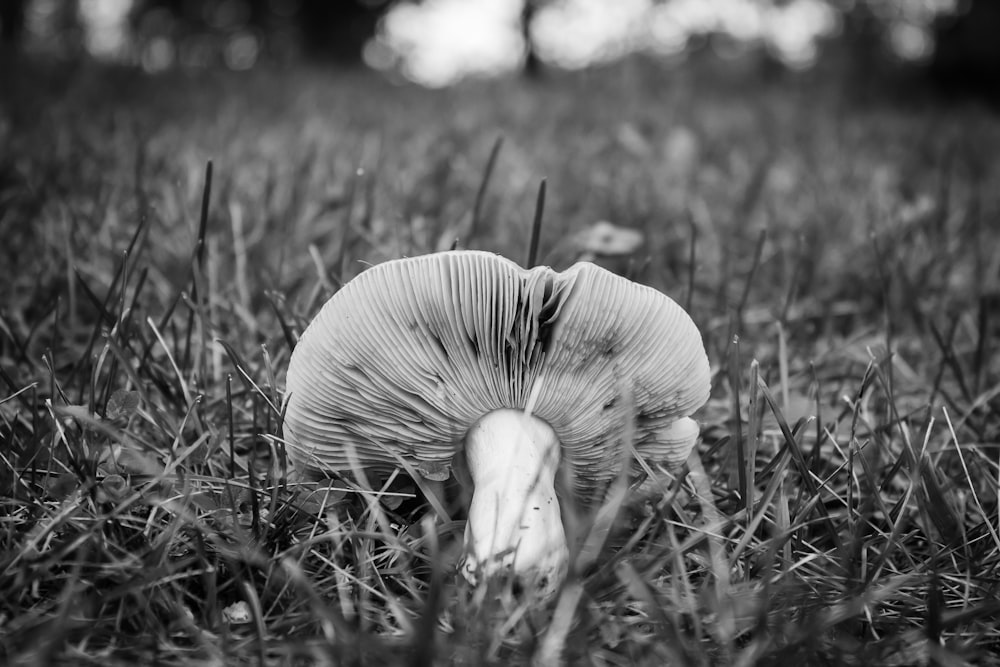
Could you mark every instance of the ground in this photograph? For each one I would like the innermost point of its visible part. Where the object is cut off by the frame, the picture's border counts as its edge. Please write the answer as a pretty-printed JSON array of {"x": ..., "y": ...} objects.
[{"x": 165, "y": 240}]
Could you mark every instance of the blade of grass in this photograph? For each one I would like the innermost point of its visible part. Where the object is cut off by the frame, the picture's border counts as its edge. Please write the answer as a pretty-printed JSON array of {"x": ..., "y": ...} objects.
[
  {"x": 692, "y": 259},
  {"x": 198, "y": 262},
  {"x": 286, "y": 330},
  {"x": 477, "y": 206},
  {"x": 971, "y": 483},
  {"x": 536, "y": 226},
  {"x": 673, "y": 640},
  {"x": 248, "y": 382},
  {"x": 748, "y": 284},
  {"x": 753, "y": 439},
  {"x": 345, "y": 225},
  {"x": 737, "y": 432},
  {"x": 721, "y": 583},
  {"x": 800, "y": 463}
]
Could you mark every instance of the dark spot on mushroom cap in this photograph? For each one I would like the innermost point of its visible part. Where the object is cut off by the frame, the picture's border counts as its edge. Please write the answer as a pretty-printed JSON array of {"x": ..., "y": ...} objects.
[{"x": 440, "y": 345}]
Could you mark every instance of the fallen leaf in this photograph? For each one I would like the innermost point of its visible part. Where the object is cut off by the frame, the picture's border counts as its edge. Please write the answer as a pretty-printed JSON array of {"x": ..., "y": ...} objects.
[
  {"x": 238, "y": 613},
  {"x": 122, "y": 404},
  {"x": 435, "y": 471}
]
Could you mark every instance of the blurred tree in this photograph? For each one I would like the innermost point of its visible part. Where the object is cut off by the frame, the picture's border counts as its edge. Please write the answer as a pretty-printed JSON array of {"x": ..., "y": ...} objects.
[
  {"x": 338, "y": 30},
  {"x": 861, "y": 50},
  {"x": 322, "y": 29},
  {"x": 967, "y": 51},
  {"x": 12, "y": 14},
  {"x": 241, "y": 33},
  {"x": 532, "y": 63}
]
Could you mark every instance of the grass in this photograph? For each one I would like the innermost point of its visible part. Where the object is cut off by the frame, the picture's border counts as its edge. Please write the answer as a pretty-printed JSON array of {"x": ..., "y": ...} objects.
[{"x": 166, "y": 240}]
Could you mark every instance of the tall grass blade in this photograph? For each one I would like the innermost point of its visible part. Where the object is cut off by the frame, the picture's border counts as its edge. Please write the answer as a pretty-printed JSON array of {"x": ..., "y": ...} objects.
[
  {"x": 536, "y": 226},
  {"x": 477, "y": 206},
  {"x": 734, "y": 364}
]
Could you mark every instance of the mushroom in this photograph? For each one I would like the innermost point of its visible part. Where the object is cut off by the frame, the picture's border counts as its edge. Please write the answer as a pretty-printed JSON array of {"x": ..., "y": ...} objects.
[
  {"x": 604, "y": 239},
  {"x": 523, "y": 371},
  {"x": 608, "y": 245}
]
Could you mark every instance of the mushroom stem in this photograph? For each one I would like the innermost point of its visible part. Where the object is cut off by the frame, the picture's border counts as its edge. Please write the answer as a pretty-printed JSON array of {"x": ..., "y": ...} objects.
[{"x": 514, "y": 519}]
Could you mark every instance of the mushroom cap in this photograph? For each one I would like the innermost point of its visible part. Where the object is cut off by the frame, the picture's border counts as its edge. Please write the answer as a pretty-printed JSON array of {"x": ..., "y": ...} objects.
[{"x": 407, "y": 356}]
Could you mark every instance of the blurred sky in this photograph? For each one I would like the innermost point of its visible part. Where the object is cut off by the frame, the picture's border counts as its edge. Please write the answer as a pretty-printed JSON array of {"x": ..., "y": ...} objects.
[{"x": 438, "y": 42}]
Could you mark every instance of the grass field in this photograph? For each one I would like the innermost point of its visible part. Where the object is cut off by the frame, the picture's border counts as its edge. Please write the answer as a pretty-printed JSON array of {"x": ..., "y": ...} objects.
[{"x": 840, "y": 257}]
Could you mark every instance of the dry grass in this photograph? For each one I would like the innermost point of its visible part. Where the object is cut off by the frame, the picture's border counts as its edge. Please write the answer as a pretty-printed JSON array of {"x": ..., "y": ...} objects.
[{"x": 839, "y": 258}]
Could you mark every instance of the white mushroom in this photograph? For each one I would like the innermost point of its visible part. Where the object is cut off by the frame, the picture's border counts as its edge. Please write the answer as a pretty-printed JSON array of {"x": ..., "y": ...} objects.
[
  {"x": 606, "y": 244},
  {"x": 604, "y": 239},
  {"x": 416, "y": 359}
]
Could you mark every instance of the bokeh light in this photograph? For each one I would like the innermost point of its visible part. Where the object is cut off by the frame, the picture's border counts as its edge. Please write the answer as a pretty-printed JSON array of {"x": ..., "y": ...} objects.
[
  {"x": 910, "y": 41},
  {"x": 441, "y": 41},
  {"x": 106, "y": 34},
  {"x": 242, "y": 50},
  {"x": 794, "y": 30},
  {"x": 158, "y": 55},
  {"x": 578, "y": 33}
]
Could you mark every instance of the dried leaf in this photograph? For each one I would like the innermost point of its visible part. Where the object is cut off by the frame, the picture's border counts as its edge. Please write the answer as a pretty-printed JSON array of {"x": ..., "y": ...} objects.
[
  {"x": 435, "y": 471},
  {"x": 112, "y": 489},
  {"x": 122, "y": 404},
  {"x": 61, "y": 485},
  {"x": 130, "y": 458},
  {"x": 237, "y": 613},
  {"x": 401, "y": 491},
  {"x": 325, "y": 495}
]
